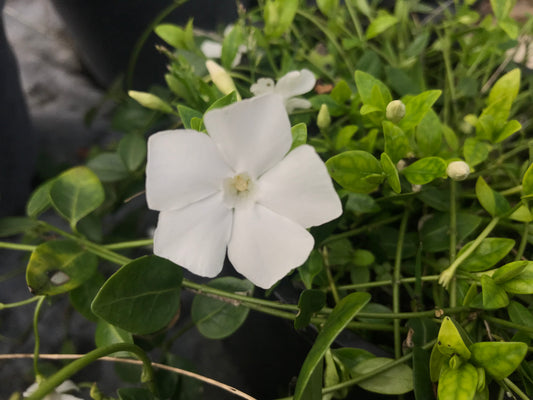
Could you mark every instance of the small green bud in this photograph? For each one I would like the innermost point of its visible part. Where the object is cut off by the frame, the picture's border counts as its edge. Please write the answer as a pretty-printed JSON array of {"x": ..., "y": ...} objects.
[
  {"x": 395, "y": 111},
  {"x": 323, "y": 120},
  {"x": 455, "y": 361},
  {"x": 458, "y": 170},
  {"x": 221, "y": 78}
]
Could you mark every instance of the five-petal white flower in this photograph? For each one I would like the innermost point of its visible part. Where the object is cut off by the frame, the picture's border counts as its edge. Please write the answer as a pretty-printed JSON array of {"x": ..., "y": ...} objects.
[
  {"x": 290, "y": 85},
  {"x": 58, "y": 394},
  {"x": 238, "y": 188}
]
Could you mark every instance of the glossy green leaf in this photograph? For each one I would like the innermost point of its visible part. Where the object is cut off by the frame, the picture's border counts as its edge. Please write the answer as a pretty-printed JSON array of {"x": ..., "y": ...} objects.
[
  {"x": 217, "y": 319},
  {"x": 493, "y": 202},
  {"x": 527, "y": 182},
  {"x": 499, "y": 359},
  {"x": 522, "y": 283},
  {"x": 299, "y": 135},
  {"x": 151, "y": 101},
  {"x": 107, "y": 334},
  {"x": 10, "y": 226},
  {"x": 350, "y": 168},
  {"x": 109, "y": 167},
  {"x": 487, "y": 254},
  {"x": 395, "y": 380},
  {"x": 458, "y": 383},
  {"x": 310, "y": 302},
  {"x": 59, "y": 266},
  {"x": 429, "y": 134},
  {"x": 142, "y": 296},
  {"x": 475, "y": 151},
  {"x": 396, "y": 142},
  {"x": 393, "y": 178},
  {"x": 380, "y": 25},
  {"x": 416, "y": 108},
  {"x": 75, "y": 193},
  {"x": 187, "y": 114},
  {"x": 132, "y": 151},
  {"x": 39, "y": 200},
  {"x": 341, "y": 315},
  {"x": 494, "y": 296},
  {"x": 450, "y": 340},
  {"x": 378, "y": 97},
  {"x": 509, "y": 271},
  {"x": 425, "y": 170},
  {"x": 423, "y": 389}
]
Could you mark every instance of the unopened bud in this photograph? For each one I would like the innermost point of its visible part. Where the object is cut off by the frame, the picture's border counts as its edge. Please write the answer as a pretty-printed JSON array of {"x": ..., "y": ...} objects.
[
  {"x": 323, "y": 120},
  {"x": 395, "y": 111},
  {"x": 221, "y": 78},
  {"x": 458, "y": 170}
]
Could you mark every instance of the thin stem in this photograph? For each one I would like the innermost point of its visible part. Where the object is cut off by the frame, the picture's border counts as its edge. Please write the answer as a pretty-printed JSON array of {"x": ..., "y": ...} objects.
[
  {"x": 20, "y": 303},
  {"x": 516, "y": 389},
  {"x": 355, "y": 21},
  {"x": 523, "y": 242},
  {"x": 453, "y": 240},
  {"x": 331, "y": 281},
  {"x": 17, "y": 246},
  {"x": 36, "y": 334},
  {"x": 396, "y": 283},
  {"x": 508, "y": 324},
  {"x": 179, "y": 371},
  {"x": 357, "y": 231},
  {"x": 367, "y": 285},
  {"x": 130, "y": 244},
  {"x": 66, "y": 372}
]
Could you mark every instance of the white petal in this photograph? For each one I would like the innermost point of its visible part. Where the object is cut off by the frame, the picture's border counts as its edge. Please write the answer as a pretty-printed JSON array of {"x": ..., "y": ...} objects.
[
  {"x": 211, "y": 49},
  {"x": 300, "y": 188},
  {"x": 183, "y": 166},
  {"x": 66, "y": 386},
  {"x": 262, "y": 86},
  {"x": 253, "y": 135},
  {"x": 69, "y": 397},
  {"x": 29, "y": 391},
  {"x": 195, "y": 237},
  {"x": 295, "y": 83},
  {"x": 265, "y": 246},
  {"x": 297, "y": 103}
]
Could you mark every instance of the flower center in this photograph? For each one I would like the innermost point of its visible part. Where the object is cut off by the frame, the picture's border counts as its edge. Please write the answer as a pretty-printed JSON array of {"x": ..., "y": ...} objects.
[{"x": 238, "y": 190}]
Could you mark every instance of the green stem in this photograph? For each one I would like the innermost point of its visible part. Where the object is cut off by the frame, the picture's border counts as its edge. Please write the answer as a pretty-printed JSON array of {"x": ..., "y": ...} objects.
[
  {"x": 516, "y": 389},
  {"x": 36, "y": 334},
  {"x": 355, "y": 21},
  {"x": 20, "y": 303},
  {"x": 66, "y": 372},
  {"x": 523, "y": 242},
  {"x": 508, "y": 324},
  {"x": 447, "y": 275},
  {"x": 130, "y": 244},
  {"x": 357, "y": 231},
  {"x": 453, "y": 240},
  {"x": 17, "y": 246},
  {"x": 513, "y": 190},
  {"x": 331, "y": 281},
  {"x": 396, "y": 283},
  {"x": 368, "y": 285}
]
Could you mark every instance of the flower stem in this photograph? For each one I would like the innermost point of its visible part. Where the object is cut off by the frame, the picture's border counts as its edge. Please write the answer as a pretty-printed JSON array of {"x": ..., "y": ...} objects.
[
  {"x": 130, "y": 244},
  {"x": 60, "y": 376},
  {"x": 331, "y": 281},
  {"x": 367, "y": 285},
  {"x": 523, "y": 242},
  {"x": 453, "y": 240},
  {"x": 17, "y": 246},
  {"x": 36, "y": 334},
  {"x": 508, "y": 324},
  {"x": 516, "y": 389},
  {"x": 396, "y": 283},
  {"x": 20, "y": 303}
]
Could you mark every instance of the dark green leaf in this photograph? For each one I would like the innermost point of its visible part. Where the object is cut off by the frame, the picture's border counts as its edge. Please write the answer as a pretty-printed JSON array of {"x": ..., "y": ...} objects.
[
  {"x": 109, "y": 167},
  {"x": 223, "y": 101},
  {"x": 132, "y": 151},
  {"x": 39, "y": 200},
  {"x": 493, "y": 295},
  {"x": 520, "y": 315},
  {"x": 395, "y": 380},
  {"x": 310, "y": 302},
  {"x": 423, "y": 388},
  {"x": 435, "y": 231},
  {"x": 82, "y": 297},
  {"x": 312, "y": 267},
  {"x": 10, "y": 226},
  {"x": 187, "y": 114},
  {"x": 107, "y": 334},
  {"x": 429, "y": 134},
  {"x": 230, "y": 46}
]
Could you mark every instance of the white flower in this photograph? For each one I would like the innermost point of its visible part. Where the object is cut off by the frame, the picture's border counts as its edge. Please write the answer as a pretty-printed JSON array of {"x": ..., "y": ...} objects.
[
  {"x": 458, "y": 170},
  {"x": 292, "y": 84},
  {"x": 212, "y": 49},
  {"x": 58, "y": 394},
  {"x": 238, "y": 188}
]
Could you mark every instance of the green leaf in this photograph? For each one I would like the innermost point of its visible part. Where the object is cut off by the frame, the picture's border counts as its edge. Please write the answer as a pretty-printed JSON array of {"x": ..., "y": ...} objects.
[
  {"x": 341, "y": 93},
  {"x": 435, "y": 231},
  {"x": 429, "y": 134},
  {"x": 350, "y": 169},
  {"x": 458, "y": 383},
  {"x": 299, "y": 135},
  {"x": 175, "y": 36},
  {"x": 450, "y": 137},
  {"x": 378, "y": 97},
  {"x": 395, "y": 380},
  {"x": 475, "y": 151},
  {"x": 187, "y": 114},
  {"x": 520, "y": 315},
  {"x": 391, "y": 172},
  {"x": 311, "y": 268},
  {"x": 508, "y": 129},
  {"x": 501, "y": 97},
  {"x": 425, "y": 170},
  {"x": 230, "y": 46},
  {"x": 151, "y": 101},
  {"x": 499, "y": 359},
  {"x": 217, "y": 319},
  {"x": 509, "y": 271},
  {"x": 107, "y": 334},
  {"x": 437, "y": 361},
  {"x": 522, "y": 214},
  {"x": 350, "y": 357},
  {"x": 380, "y": 25},
  {"x": 59, "y": 266},
  {"x": 423, "y": 389},
  {"x": 132, "y": 151},
  {"x": 39, "y": 200},
  {"x": 396, "y": 142},
  {"x": 327, "y": 7},
  {"x": 10, "y": 226},
  {"x": 522, "y": 283},
  {"x": 82, "y": 296},
  {"x": 142, "y": 296},
  {"x": 109, "y": 167},
  {"x": 228, "y": 99},
  {"x": 344, "y": 136},
  {"x": 452, "y": 341},
  {"x": 278, "y": 16},
  {"x": 341, "y": 315},
  {"x": 489, "y": 252},
  {"x": 132, "y": 393},
  {"x": 416, "y": 108},
  {"x": 527, "y": 182},
  {"x": 76, "y": 193},
  {"x": 493, "y": 202},
  {"x": 494, "y": 296},
  {"x": 310, "y": 302}
]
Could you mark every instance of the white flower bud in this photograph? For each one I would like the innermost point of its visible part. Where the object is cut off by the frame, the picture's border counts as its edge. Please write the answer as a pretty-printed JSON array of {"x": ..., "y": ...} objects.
[
  {"x": 323, "y": 120},
  {"x": 458, "y": 170},
  {"x": 395, "y": 111},
  {"x": 221, "y": 78}
]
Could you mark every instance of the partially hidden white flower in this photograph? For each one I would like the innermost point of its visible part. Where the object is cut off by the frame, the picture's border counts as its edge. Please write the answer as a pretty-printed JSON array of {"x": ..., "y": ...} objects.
[
  {"x": 59, "y": 393},
  {"x": 238, "y": 188},
  {"x": 288, "y": 86},
  {"x": 212, "y": 49}
]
